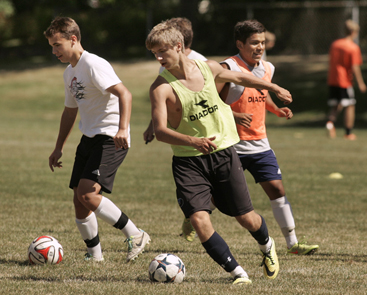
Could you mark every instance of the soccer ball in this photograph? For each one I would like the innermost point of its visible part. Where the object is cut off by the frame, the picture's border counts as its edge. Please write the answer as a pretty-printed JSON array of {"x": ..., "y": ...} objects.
[
  {"x": 45, "y": 249},
  {"x": 167, "y": 268}
]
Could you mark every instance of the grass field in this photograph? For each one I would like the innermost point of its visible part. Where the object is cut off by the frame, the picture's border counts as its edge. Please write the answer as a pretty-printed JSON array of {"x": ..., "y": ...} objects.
[{"x": 34, "y": 201}]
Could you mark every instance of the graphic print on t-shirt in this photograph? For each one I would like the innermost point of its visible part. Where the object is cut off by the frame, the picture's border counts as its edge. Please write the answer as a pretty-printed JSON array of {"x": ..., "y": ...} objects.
[{"x": 77, "y": 89}]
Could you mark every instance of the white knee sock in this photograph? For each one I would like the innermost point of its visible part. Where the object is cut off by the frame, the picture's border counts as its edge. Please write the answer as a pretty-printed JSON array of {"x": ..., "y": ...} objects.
[
  {"x": 110, "y": 213},
  {"x": 283, "y": 214},
  {"x": 88, "y": 228}
]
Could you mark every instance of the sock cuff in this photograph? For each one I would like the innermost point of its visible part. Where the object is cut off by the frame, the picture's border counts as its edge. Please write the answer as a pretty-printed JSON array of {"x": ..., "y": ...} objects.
[
  {"x": 89, "y": 217},
  {"x": 279, "y": 202}
]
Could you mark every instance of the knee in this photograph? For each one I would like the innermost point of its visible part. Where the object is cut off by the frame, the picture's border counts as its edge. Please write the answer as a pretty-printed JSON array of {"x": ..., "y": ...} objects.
[
  {"x": 275, "y": 190},
  {"x": 83, "y": 196},
  {"x": 77, "y": 203},
  {"x": 197, "y": 220},
  {"x": 250, "y": 221}
]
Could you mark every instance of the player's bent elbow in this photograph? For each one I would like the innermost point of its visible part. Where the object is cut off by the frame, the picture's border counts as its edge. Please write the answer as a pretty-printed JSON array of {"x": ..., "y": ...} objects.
[{"x": 159, "y": 135}]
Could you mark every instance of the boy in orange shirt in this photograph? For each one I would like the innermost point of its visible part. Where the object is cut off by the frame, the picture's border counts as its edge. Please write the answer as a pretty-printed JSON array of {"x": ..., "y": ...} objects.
[{"x": 344, "y": 64}]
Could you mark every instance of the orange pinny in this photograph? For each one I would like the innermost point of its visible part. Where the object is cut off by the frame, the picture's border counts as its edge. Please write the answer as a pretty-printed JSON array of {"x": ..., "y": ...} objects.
[{"x": 252, "y": 101}]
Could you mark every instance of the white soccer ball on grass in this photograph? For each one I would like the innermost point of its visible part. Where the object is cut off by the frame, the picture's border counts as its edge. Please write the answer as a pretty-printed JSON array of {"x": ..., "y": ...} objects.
[
  {"x": 167, "y": 268},
  {"x": 45, "y": 249}
]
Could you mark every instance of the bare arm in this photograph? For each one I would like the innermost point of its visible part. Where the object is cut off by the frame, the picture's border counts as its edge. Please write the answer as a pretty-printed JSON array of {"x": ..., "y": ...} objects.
[
  {"x": 358, "y": 75},
  {"x": 160, "y": 96},
  {"x": 222, "y": 75},
  {"x": 125, "y": 101},
  {"x": 243, "y": 119},
  {"x": 280, "y": 112},
  {"x": 66, "y": 125}
]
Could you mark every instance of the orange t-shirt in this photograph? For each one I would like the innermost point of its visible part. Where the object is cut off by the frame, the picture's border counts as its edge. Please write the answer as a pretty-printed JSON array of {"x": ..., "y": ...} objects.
[
  {"x": 253, "y": 102},
  {"x": 343, "y": 54}
]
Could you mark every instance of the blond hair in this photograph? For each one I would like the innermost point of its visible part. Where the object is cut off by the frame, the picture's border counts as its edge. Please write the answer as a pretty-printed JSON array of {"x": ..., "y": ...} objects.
[
  {"x": 351, "y": 27},
  {"x": 162, "y": 34}
]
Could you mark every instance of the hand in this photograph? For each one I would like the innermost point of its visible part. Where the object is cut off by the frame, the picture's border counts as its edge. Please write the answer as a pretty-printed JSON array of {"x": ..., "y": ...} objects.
[
  {"x": 284, "y": 113},
  {"x": 284, "y": 95},
  {"x": 121, "y": 139},
  {"x": 149, "y": 134},
  {"x": 53, "y": 160},
  {"x": 243, "y": 119},
  {"x": 205, "y": 145},
  {"x": 362, "y": 87}
]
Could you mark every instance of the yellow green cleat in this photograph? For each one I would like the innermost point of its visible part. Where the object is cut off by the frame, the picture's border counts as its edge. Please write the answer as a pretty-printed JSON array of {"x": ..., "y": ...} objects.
[
  {"x": 188, "y": 231},
  {"x": 270, "y": 262}
]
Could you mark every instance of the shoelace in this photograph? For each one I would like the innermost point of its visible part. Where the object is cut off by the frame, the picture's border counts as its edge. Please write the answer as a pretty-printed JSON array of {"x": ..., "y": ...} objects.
[
  {"x": 88, "y": 256},
  {"x": 303, "y": 241},
  {"x": 267, "y": 255},
  {"x": 129, "y": 243}
]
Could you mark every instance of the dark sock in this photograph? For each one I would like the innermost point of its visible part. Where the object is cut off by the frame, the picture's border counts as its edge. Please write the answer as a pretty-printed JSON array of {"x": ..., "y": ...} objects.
[
  {"x": 219, "y": 251},
  {"x": 348, "y": 131},
  {"x": 261, "y": 235}
]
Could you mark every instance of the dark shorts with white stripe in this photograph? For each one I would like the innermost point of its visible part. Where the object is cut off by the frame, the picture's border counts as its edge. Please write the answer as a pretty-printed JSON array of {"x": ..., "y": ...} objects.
[{"x": 97, "y": 159}]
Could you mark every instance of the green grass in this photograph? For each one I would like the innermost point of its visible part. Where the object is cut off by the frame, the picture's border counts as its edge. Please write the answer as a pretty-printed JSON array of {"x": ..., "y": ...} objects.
[{"x": 34, "y": 201}]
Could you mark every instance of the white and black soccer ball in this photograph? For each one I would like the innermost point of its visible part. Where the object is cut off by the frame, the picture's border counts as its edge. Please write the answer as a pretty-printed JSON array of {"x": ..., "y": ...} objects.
[
  {"x": 167, "y": 268},
  {"x": 45, "y": 249}
]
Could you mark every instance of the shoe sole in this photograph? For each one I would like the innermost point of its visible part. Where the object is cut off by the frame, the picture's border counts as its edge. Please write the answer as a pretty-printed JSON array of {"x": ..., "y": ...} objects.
[
  {"x": 188, "y": 239},
  {"x": 246, "y": 282},
  {"x": 311, "y": 252}
]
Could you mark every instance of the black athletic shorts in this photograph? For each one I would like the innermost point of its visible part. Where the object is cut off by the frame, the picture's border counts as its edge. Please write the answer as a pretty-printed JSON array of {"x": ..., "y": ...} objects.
[
  {"x": 97, "y": 159},
  {"x": 343, "y": 96},
  {"x": 218, "y": 175}
]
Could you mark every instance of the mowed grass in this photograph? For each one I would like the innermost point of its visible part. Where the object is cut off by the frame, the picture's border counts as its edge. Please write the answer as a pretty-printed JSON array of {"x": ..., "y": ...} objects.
[{"x": 34, "y": 201}]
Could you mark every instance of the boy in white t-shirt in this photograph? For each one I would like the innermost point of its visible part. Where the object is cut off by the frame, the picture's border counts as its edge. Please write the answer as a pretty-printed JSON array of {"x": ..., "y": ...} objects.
[{"x": 104, "y": 103}]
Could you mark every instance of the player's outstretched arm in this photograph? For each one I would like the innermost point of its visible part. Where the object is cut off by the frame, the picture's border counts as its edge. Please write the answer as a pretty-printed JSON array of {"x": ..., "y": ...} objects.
[
  {"x": 222, "y": 75},
  {"x": 280, "y": 112},
  {"x": 125, "y": 99},
  {"x": 66, "y": 125}
]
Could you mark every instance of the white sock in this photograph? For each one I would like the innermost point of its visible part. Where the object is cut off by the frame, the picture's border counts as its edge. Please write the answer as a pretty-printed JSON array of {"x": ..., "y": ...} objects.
[
  {"x": 239, "y": 272},
  {"x": 88, "y": 228},
  {"x": 283, "y": 214},
  {"x": 266, "y": 248},
  {"x": 130, "y": 229},
  {"x": 110, "y": 213}
]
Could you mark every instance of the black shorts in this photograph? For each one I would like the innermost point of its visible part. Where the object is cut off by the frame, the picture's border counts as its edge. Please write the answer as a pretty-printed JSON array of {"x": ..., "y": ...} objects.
[
  {"x": 343, "y": 96},
  {"x": 218, "y": 175},
  {"x": 97, "y": 159}
]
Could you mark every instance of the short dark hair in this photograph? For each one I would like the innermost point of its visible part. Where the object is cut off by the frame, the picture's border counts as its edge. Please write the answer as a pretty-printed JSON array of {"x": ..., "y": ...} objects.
[
  {"x": 244, "y": 29},
  {"x": 185, "y": 27},
  {"x": 64, "y": 25}
]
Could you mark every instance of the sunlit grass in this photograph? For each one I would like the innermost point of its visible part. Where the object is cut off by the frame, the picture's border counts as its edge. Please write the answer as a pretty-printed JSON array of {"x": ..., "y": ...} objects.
[{"x": 35, "y": 201}]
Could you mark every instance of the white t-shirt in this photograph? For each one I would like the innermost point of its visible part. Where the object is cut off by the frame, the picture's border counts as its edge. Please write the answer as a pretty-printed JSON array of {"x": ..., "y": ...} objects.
[
  {"x": 192, "y": 55},
  {"x": 196, "y": 55},
  {"x": 85, "y": 88},
  {"x": 234, "y": 93}
]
